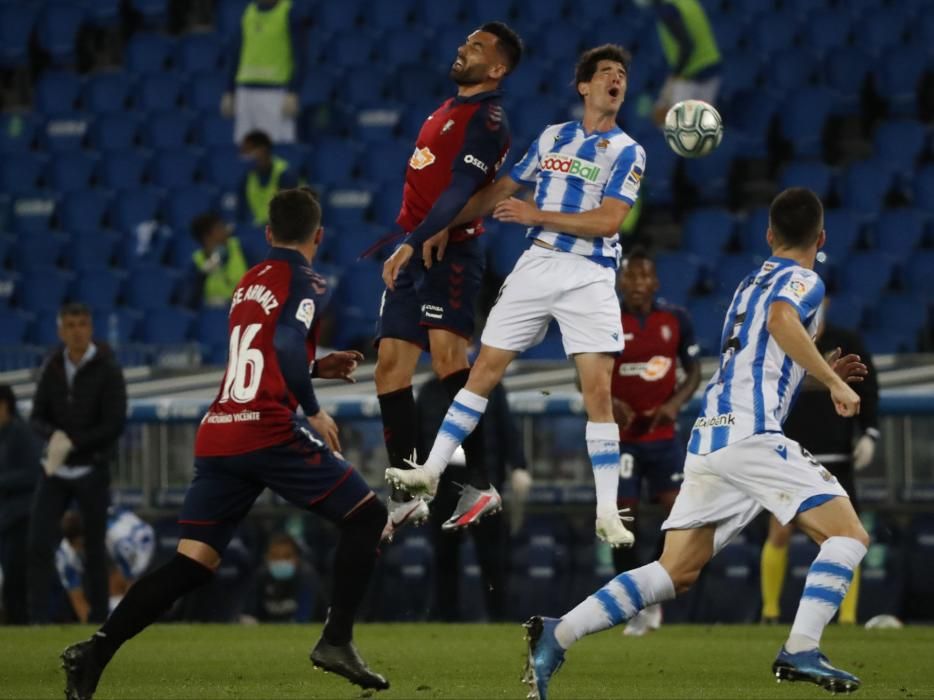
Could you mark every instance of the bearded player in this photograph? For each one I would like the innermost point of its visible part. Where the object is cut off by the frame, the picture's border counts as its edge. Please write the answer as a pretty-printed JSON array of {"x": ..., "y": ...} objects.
[{"x": 429, "y": 300}]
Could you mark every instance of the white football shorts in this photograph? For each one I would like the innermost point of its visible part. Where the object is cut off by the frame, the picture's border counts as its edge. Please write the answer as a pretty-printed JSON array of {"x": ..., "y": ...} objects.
[
  {"x": 733, "y": 485},
  {"x": 261, "y": 108},
  {"x": 548, "y": 284}
]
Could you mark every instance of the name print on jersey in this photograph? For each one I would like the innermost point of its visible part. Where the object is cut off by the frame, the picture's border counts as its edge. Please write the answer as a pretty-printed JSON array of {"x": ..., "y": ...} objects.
[
  {"x": 258, "y": 293},
  {"x": 569, "y": 165}
]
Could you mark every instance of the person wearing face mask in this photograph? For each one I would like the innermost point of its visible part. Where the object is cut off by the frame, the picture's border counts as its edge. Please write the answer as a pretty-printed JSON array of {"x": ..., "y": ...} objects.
[
  {"x": 268, "y": 174},
  {"x": 217, "y": 265},
  {"x": 266, "y": 76},
  {"x": 285, "y": 586}
]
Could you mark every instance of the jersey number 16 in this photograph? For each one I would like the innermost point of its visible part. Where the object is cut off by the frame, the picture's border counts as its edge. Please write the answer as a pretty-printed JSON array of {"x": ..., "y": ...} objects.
[{"x": 244, "y": 365}]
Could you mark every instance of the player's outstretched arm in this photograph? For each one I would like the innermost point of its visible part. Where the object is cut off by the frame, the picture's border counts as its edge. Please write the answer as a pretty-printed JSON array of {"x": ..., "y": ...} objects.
[
  {"x": 604, "y": 221},
  {"x": 785, "y": 326},
  {"x": 485, "y": 200}
]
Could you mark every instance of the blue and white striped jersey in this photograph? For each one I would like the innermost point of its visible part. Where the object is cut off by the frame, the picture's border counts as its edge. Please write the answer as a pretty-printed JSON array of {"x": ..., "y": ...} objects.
[
  {"x": 572, "y": 172},
  {"x": 754, "y": 387}
]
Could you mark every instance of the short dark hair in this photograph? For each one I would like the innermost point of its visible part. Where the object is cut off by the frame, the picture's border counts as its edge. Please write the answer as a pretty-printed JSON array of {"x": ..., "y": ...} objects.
[
  {"x": 294, "y": 215},
  {"x": 796, "y": 217},
  {"x": 73, "y": 308},
  {"x": 508, "y": 43},
  {"x": 202, "y": 224},
  {"x": 258, "y": 139},
  {"x": 587, "y": 63},
  {"x": 9, "y": 398},
  {"x": 639, "y": 253}
]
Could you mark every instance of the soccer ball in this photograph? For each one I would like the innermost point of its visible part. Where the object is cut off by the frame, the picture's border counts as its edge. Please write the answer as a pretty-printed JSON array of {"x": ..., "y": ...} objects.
[{"x": 693, "y": 128}]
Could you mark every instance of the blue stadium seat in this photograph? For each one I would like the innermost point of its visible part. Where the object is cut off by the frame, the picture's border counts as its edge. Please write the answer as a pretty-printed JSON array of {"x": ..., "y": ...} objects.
[
  {"x": 117, "y": 325},
  {"x": 377, "y": 123},
  {"x": 845, "y": 72},
  {"x": 184, "y": 204},
  {"x": 175, "y": 168},
  {"x": 17, "y": 132},
  {"x": 885, "y": 342},
  {"x": 228, "y": 15},
  {"x": 802, "y": 120},
  {"x": 152, "y": 12},
  {"x": 149, "y": 53},
  {"x": 333, "y": 161},
  {"x": 923, "y": 194},
  {"x": 57, "y": 31},
  {"x": 181, "y": 247},
  {"x": 123, "y": 169},
  {"x": 43, "y": 289},
  {"x": 38, "y": 249},
  {"x": 84, "y": 210},
  {"x": 900, "y": 144},
  {"x": 166, "y": 326},
  {"x": 211, "y": 330},
  {"x": 864, "y": 187},
  {"x": 740, "y": 73},
  {"x": 846, "y": 311},
  {"x": 752, "y": 232},
  {"x": 347, "y": 207},
  {"x": 772, "y": 33},
  {"x": 340, "y": 16},
  {"x": 390, "y": 16},
  {"x": 505, "y": 243},
  {"x": 433, "y": 14},
  {"x": 710, "y": 176},
  {"x": 32, "y": 212},
  {"x": 351, "y": 48},
  {"x": 866, "y": 274},
  {"x": 253, "y": 240},
  {"x": 318, "y": 86},
  {"x": 899, "y": 232},
  {"x": 844, "y": 232},
  {"x": 212, "y": 129},
  {"x": 898, "y": 78},
  {"x": 658, "y": 184},
  {"x": 729, "y": 270},
  {"x": 387, "y": 161},
  {"x": 751, "y": 113},
  {"x": 918, "y": 273},
  {"x": 204, "y": 92},
  {"x": 72, "y": 171},
  {"x": 16, "y": 25},
  {"x": 44, "y": 332},
  {"x": 223, "y": 167},
  {"x": 150, "y": 287},
  {"x": 358, "y": 293},
  {"x": 57, "y": 92},
  {"x": 813, "y": 175},
  {"x": 364, "y": 88},
  {"x": 791, "y": 69},
  {"x": 551, "y": 346},
  {"x": 98, "y": 288},
  {"x": 708, "y": 313},
  {"x": 91, "y": 250},
  {"x": 65, "y": 132},
  {"x": 902, "y": 314},
  {"x": 106, "y": 93},
  {"x": 166, "y": 129},
  {"x": 707, "y": 231},
  {"x": 678, "y": 275},
  {"x": 348, "y": 242},
  {"x": 9, "y": 285},
  {"x": 825, "y": 30},
  {"x": 13, "y": 326},
  {"x": 114, "y": 132},
  {"x": 200, "y": 53},
  {"x": 410, "y": 46},
  {"x": 101, "y": 13},
  {"x": 21, "y": 173},
  {"x": 880, "y": 31},
  {"x": 160, "y": 91},
  {"x": 133, "y": 207}
]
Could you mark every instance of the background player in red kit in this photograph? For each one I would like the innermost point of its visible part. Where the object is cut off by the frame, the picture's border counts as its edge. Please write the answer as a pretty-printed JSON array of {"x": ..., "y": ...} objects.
[
  {"x": 250, "y": 439},
  {"x": 646, "y": 402},
  {"x": 429, "y": 304}
]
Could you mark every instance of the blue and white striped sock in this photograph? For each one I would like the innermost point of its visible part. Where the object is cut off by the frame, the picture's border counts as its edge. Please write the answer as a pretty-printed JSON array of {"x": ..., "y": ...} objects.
[
  {"x": 603, "y": 448},
  {"x": 459, "y": 422},
  {"x": 824, "y": 589},
  {"x": 616, "y": 602}
]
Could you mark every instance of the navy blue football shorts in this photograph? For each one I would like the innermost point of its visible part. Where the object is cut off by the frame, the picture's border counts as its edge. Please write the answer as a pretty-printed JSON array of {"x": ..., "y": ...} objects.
[
  {"x": 660, "y": 464},
  {"x": 302, "y": 471},
  {"x": 444, "y": 296}
]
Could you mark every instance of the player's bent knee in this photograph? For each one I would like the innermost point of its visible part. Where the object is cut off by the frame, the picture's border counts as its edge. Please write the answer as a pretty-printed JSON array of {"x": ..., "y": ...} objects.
[
  {"x": 200, "y": 552},
  {"x": 366, "y": 520}
]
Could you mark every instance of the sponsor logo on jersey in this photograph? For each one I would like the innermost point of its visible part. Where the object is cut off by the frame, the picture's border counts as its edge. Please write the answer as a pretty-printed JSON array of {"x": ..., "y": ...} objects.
[
  {"x": 258, "y": 293},
  {"x": 569, "y": 165},
  {"x": 651, "y": 371},
  {"x": 448, "y": 125},
  {"x": 723, "y": 420},
  {"x": 635, "y": 175},
  {"x": 306, "y": 312},
  {"x": 421, "y": 158},
  {"x": 476, "y": 162}
]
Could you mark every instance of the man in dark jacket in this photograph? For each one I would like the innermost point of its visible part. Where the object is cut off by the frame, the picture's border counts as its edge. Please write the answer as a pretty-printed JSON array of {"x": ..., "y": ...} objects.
[
  {"x": 19, "y": 472},
  {"x": 80, "y": 408}
]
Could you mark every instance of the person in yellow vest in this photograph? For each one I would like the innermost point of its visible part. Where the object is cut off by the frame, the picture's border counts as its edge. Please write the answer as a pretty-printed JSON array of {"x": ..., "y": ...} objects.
[
  {"x": 267, "y": 175},
  {"x": 218, "y": 264},
  {"x": 264, "y": 80},
  {"x": 691, "y": 50}
]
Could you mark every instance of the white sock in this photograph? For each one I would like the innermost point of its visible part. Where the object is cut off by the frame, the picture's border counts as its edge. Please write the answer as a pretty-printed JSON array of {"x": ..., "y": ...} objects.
[
  {"x": 603, "y": 448},
  {"x": 824, "y": 589},
  {"x": 616, "y": 602},
  {"x": 459, "y": 422}
]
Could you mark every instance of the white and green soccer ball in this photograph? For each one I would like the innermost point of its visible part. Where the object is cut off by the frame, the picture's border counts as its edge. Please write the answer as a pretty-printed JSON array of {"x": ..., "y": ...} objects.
[{"x": 693, "y": 128}]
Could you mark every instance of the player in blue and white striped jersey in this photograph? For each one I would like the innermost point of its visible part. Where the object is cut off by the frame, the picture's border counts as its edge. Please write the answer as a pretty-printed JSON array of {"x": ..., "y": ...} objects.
[
  {"x": 740, "y": 463},
  {"x": 586, "y": 176}
]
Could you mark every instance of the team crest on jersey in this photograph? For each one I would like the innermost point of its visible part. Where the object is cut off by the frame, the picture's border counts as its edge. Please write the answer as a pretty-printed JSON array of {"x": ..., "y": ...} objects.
[
  {"x": 448, "y": 125},
  {"x": 651, "y": 371},
  {"x": 421, "y": 158},
  {"x": 798, "y": 288},
  {"x": 603, "y": 144},
  {"x": 306, "y": 312},
  {"x": 666, "y": 332}
]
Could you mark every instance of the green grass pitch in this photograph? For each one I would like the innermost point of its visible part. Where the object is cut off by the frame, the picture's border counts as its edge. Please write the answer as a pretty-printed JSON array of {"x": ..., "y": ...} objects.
[{"x": 465, "y": 661}]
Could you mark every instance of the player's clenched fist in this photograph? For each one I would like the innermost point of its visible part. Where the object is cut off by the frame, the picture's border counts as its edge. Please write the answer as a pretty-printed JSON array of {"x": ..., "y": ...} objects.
[
  {"x": 845, "y": 400},
  {"x": 339, "y": 365}
]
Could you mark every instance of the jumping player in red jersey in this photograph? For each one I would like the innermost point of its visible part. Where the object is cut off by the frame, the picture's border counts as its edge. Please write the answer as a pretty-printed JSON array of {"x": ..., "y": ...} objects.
[
  {"x": 646, "y": 400},
  {"x": 252, "y": 439},
  {"x": 429, "y": 301}
]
